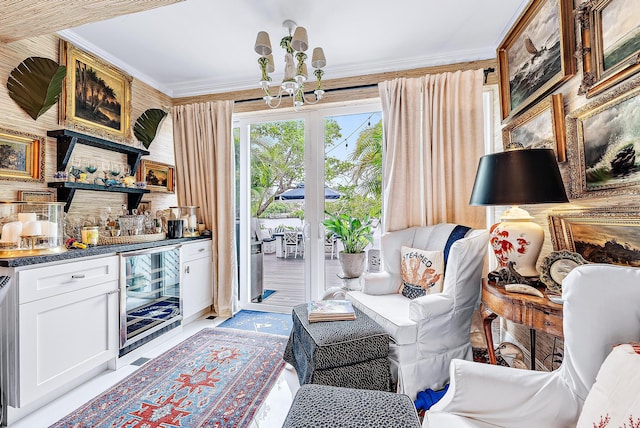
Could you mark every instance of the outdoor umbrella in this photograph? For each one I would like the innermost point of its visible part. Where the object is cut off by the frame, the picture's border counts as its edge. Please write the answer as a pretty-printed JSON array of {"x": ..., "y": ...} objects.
[{"x": 298, "y": 194}]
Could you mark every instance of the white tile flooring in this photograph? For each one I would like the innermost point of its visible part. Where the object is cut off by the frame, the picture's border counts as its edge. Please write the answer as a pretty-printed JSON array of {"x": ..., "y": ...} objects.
[{"x": 271, "y": 414}]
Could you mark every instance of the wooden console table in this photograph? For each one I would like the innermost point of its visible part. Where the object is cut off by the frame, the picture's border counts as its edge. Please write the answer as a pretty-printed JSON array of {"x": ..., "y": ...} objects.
[{"x": 537, "y": 313}]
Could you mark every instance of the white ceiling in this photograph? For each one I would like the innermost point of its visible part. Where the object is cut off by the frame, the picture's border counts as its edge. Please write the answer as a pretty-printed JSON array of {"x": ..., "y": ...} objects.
[{"x": 206, "y": 46}]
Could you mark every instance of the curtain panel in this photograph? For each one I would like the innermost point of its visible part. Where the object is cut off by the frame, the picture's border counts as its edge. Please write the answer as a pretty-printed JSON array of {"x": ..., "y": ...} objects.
[
  {"x": 205, "y": 177},
  {"x": 433, "y": 139}
]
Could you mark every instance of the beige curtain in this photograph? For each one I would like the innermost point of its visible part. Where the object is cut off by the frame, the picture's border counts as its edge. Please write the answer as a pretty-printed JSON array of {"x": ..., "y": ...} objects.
[
  {"x": 433, "y": 139},
  {"x": 205, "y": 177}
]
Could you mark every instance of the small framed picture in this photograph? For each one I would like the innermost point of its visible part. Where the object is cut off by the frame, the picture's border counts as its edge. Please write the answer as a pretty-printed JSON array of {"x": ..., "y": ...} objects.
[
  {"x": 160, "y": 177},
  {"x": 540, "y": 127},
  {"x": 21, "y": 156},
  {"x": 36, "y": 195}
]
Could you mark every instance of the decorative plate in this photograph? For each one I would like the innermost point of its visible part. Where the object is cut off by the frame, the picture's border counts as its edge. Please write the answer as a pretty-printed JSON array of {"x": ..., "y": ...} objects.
[{"x": 556, "y": 266}]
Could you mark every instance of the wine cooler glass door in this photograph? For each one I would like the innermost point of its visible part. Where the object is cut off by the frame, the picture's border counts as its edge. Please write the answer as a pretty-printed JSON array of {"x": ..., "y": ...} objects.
[{"x": 150, "y": 297}]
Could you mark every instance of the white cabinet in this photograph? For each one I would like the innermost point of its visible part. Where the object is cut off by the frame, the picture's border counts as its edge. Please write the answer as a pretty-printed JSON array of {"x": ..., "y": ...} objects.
[
  {"x": 61, "y": 322},
  {"x": 197, "y": 278}
]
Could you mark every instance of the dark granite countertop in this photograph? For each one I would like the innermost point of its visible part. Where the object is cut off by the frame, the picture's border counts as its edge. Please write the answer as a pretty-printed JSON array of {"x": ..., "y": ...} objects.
[{"x": 93, "y": 251}]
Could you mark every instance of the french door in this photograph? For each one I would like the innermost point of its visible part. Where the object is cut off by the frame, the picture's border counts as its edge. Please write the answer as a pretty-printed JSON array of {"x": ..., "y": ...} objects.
[{"x": 280, "y": 150}]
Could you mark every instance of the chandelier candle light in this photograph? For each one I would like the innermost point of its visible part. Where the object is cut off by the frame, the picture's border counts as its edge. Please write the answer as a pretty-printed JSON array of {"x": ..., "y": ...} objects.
[{"x": 295, "y": 75}]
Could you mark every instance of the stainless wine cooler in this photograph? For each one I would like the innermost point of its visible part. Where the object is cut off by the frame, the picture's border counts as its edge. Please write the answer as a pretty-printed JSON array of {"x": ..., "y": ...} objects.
[{"x": 150, "y": 303}]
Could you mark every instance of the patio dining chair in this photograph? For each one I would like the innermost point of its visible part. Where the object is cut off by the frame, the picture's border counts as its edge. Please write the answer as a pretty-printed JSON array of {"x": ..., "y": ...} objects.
[
  {"x": 330, "y": 242},
  {"x": 290, "y": 241}
]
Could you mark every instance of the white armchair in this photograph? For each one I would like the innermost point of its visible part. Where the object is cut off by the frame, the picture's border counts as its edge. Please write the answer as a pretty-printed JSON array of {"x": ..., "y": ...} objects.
[
  {"x": 601, "y": 309},
  {"x": 429, "y": 331}
]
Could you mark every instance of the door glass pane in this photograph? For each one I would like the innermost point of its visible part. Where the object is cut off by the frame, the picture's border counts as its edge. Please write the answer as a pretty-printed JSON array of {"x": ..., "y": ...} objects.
[
  {"x": 277, "y": 212},
  {"x": 353, "y": 169}
]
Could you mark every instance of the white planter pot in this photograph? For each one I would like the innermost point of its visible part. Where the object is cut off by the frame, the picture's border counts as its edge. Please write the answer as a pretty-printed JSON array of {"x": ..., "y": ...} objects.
[{"x": 352, "y": 264}]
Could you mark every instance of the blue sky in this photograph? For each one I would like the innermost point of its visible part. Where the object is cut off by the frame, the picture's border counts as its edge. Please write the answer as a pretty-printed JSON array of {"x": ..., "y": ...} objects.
[{"x": 351, "y": 126}]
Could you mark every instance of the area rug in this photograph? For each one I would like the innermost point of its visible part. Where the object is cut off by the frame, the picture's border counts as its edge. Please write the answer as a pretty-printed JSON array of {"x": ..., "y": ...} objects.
[
  {"x": 264, "y": 322},
  {"x": 481, "y": 355},
  {"x": 215, "y": 378}
]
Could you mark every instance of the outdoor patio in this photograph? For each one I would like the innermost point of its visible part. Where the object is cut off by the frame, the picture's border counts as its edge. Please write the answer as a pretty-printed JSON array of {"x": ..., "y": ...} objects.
[{"x": 286, "y": 277}]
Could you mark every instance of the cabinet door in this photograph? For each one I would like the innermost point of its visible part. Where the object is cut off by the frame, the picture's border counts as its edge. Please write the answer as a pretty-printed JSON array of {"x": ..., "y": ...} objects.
[
  {"x": 65, "y": 336},
  {"x": 197, "y": 286}
]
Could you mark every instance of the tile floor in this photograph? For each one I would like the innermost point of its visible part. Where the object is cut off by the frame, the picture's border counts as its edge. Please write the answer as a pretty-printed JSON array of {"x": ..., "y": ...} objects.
[{"x": 271, "y": 414}]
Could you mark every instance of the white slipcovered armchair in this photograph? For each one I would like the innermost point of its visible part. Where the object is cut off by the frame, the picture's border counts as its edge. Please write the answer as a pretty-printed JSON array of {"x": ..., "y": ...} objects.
[
  {"x": 601, "y": 309},
  {"x": 429, "y": 331}
]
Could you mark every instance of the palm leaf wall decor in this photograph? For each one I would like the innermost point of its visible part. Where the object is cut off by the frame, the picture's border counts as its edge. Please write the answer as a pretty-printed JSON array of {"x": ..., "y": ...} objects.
[
  {"x": 147, "y": 125},
  {"x": 36, "y": 84}
]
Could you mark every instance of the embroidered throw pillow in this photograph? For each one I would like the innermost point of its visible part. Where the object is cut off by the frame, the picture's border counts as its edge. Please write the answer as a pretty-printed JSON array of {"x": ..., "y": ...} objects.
[
  {"x": 614, "y": 400},
  {"x": 422, "y": 272}
]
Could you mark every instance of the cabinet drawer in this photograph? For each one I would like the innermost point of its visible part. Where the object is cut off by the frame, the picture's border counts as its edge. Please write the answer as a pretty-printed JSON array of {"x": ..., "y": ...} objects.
[
  {"x": 196, "y": 250},
  {"x": 43, "y": 282}
]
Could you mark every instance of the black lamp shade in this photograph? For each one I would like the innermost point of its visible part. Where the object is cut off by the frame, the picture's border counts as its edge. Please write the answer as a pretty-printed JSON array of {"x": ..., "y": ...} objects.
[{"x": 518, "y": 177}]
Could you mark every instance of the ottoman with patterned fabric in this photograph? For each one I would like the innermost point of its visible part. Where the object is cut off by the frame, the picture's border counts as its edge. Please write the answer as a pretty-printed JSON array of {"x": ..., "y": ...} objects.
[
  {"x": 350, "y": 354},
  {"x": 332, "y": 407}
]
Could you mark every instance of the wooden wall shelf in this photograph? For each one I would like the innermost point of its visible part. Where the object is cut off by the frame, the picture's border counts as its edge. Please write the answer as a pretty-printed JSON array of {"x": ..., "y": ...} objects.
[{"x": 66, "y": 142}]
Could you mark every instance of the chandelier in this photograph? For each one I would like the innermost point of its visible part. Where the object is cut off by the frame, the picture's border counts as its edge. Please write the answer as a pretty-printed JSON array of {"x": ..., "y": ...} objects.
[{"x": 295, "y": 75}]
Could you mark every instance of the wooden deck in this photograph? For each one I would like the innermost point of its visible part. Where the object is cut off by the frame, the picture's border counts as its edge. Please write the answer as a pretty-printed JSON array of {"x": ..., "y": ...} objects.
[{"x": 286, "y": 277}]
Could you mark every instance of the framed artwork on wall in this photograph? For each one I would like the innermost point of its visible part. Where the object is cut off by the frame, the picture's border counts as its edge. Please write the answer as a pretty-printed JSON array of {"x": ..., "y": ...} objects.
[
  {"x": 610, "y": 43},
  {"x": 540, "y": 127},
  {"x": 536, "y": 55},
  {"x": 604, "y": 138},
  {"x": 21, "y": 156},
  {"x": 37, "y": 195},
  {"x": 159, "y": 177},
  {"x": 97, "y": 96},
  {"x": 610, "y": 235}
]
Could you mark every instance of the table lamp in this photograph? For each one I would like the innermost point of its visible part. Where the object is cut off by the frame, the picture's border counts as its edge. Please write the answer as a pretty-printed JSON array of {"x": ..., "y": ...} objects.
[{"x": 515, "y": 177}]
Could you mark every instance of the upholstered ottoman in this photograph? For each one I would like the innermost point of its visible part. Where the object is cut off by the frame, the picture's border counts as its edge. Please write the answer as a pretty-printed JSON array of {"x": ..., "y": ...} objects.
[
  {"x": 333, "y": 407},
  {"x": 350, "y": 354}
]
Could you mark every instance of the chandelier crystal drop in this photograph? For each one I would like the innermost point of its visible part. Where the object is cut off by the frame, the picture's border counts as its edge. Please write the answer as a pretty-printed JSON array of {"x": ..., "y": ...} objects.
[{"x": 295, "y": 69}]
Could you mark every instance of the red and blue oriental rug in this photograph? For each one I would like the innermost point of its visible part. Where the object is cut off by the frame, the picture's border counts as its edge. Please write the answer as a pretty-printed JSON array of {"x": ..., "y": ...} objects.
[{"x": 215, "y": 378}]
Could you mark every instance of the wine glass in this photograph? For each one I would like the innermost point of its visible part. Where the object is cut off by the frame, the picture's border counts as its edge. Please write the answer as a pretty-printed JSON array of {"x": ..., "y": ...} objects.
[
  {"x": 114, "y": 170},
  {"x": 90, "y": 166}
]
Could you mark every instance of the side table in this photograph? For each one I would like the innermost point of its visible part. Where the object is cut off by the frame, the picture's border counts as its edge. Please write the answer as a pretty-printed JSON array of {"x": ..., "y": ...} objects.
[{"x": 537, "y": 313}]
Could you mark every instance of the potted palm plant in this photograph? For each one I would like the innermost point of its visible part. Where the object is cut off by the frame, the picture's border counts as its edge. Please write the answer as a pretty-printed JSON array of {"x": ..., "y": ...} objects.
[{"x": 355, "y": 235}]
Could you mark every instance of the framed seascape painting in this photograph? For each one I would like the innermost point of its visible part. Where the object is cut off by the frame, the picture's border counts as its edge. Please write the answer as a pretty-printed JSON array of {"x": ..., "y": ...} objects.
[
  {"x": 599, "y": 235},
  {"x": 536, "y": 55},
  {"x": 540, "y": 127},
  {"x": 159, "y": 177},
  {"x": 97, "y": 96},
  {"x": 21, "y": 156},
  {"x": 610, "y": 43},
  {"x": 604, "y": 138}
]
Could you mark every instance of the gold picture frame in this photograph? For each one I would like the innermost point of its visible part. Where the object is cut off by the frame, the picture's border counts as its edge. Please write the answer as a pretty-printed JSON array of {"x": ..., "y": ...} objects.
[
  {"x": 540, "y": 127},
  {"x": 536, "y": 55},
  {"x": 37, "y": 195},
  {"x": 105, "y": 113},
  {"x": 603, "y": 139},
  {"x": 22, "y": 156},
  {"x": 599, "y": 235},
  {"x": 160, "y": 177},
  {"x": 610, "y": 43}
]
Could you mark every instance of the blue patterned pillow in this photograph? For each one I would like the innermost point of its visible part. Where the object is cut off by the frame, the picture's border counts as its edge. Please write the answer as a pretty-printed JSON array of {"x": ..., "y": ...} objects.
[{"x": 422, "y": 272}]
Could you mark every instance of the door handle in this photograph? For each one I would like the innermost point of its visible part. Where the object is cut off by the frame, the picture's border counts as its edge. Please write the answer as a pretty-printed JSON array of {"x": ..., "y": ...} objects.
[
  {"x": 78, "y": 276},
  {"x": 186, "y": 269}
]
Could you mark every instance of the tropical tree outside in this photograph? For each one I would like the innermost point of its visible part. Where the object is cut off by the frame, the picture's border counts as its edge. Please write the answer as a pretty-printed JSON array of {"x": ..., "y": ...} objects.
[{"x": 277, "y": 165}]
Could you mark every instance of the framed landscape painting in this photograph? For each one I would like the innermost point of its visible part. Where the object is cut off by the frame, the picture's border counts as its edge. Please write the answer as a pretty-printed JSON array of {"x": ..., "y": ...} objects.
[
  {"x": 610, "y": 43},
  {"x": 536, "y": 55},
  {"x": 599, "y": 235},
  {"x": 604, "y": 137},
  {"x": 159, "y": 177},
  {"x": 21, "y": 156},
  {"x": 97, "y": 96},
  {"x": 540, "y": 127}
]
